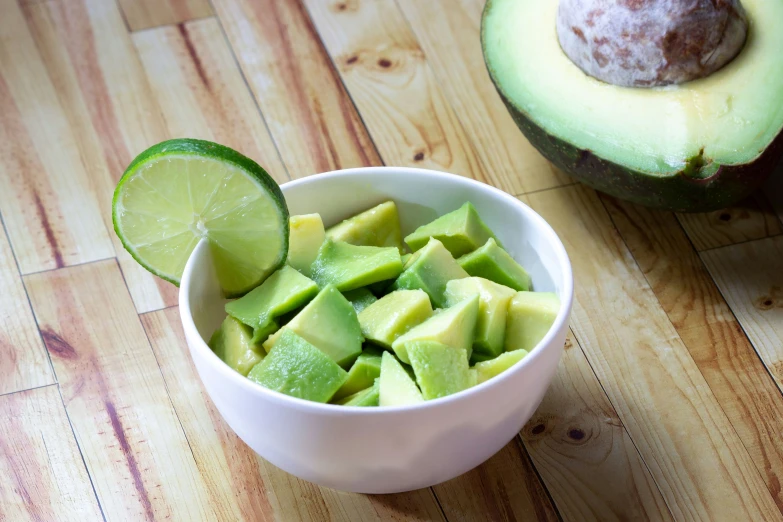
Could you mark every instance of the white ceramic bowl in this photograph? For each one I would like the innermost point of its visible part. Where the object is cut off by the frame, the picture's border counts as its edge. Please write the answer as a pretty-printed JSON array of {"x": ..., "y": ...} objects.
[{"x": 392, "y": 449}]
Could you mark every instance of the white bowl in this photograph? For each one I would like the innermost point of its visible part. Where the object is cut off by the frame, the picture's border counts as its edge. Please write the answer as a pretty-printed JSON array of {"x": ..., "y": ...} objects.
[{"x": 391, "y": 449}]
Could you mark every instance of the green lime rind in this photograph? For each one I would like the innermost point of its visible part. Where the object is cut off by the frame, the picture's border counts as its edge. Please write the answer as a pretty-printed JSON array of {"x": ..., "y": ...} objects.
[{"x": 185, "y": 147}]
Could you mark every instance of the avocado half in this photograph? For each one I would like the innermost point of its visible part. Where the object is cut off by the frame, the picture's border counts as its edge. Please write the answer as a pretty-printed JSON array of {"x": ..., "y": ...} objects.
[{"x": 697, "y": 146}]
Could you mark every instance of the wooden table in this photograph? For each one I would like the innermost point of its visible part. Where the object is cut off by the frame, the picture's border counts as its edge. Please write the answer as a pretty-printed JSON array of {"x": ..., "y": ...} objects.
[{"x": 667, "y": 404}]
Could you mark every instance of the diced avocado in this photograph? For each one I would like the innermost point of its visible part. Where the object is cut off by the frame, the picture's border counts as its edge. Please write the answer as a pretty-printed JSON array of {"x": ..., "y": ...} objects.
[
  {"x": 378, "y": 226},
  {"x": 430, "y": 269},
  {"x": 404, "y": 258},
  {"x": 530, "y": 315},
  {"x": 394, "y": 314},
  {"x": 283, "y": 291},
  {"x": 440, "y": 370},
  {"x": 367, "y": 397},
  {"x": 381, "y": 288},
  {"x": 460, "y": 231},
  {"x": 453, "y": 327},
  {"x": 360, "y": 298},
  {"x": 363, "y": 372},
  {"x": 307, "y": 236},
  {"x": 299, "y": 369},
  {"x": 485, "y": 370},
  {"x": 233, "y": 343},
  {"x": 396, "y": 388},
  {"x": 348, "y": 266},
  {"x": 263, "y": 332},
  {"x": 493, "y": 263},
  {"x": 493, "y": 305},
  {"x": 328, "y": 322}
]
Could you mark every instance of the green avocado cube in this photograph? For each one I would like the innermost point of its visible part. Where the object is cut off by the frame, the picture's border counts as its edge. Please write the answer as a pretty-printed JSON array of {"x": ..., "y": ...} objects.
[
  {"x": 378, "y": 226},
  {"x": 299, "y": 369},
  {"x": 367, "y": 397},
  {"x": 440, "y": 370},
  {"x": 404, "y": 258},
  {"x": 305, "y": 239},
  {"x": 394, "y": 314},
  {"x": 362, "y": 374},
  {"x": 360, "y": 298},
  {"x": 485, "y": 370},
  {"x": 530, "y": 316},
  {"x": 349, "y": 266},
  {"x": 430, "y": 269},
  {"x": 460, "y": 231},
  {"x": 493, "y": 306},
  {"x": 493, "y": 263},
  {"x": 233, "y": 343},
  {"x": 454, "y": 326},
  {"x": 283, "y": 291},
  {"x": 330, "y": 324},
  {"x": 395, "y": 386}
]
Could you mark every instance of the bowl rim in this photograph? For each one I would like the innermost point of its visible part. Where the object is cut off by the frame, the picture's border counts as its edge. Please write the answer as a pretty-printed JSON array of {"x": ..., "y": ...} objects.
[{"x": 333, "y": 409}]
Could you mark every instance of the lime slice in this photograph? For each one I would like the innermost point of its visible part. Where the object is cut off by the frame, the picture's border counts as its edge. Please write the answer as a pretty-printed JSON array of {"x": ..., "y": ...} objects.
[{"x": 179, "y": 191}]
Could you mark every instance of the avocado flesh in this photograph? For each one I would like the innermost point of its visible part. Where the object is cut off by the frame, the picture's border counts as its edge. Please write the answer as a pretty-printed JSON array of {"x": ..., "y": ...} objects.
[
  {"x": 493, "y": 263},
  {"x": 360, "y": 298},
  {"x": 365, "y": 398},
  {"x": 329, "y": 323},
  {"x": 455, "y": 326},
  {"x": 396, "y": 387},
  {"x": 530, "y": 316},
  {"x": 349, "y": 266},
  {"x": 490, "y": 333},
  {"x": 487, "y": 369},
  {"x": 393, "y": 315},
  {"x": 362, "y": 374},
  {"x": 305, "y": 239},
  {"x": 429, "y": 269},
  {"x": 378, "y": 226},
  {"x": 440, "y": 370},
  {"x": 233, "y": 343},
  {"x": 700, "y": 145},
  {"x": 461, "y": 231},
  {"x": 299, "y": 369}
]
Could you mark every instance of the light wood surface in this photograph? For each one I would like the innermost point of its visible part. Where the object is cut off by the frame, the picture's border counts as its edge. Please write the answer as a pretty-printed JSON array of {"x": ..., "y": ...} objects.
[{"x": 667, "y": 404}]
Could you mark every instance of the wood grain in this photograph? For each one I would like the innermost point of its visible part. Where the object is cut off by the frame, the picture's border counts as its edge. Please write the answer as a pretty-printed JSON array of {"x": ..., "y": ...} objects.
[
  {"x": 42, "y": 475},
  {"x": 750, "y": 276},
  {"x": 683, "y": 436},
  {"x": 201, "y": 92},
  {"x": 23, "y": 360},
  {"x": 108, "y": 105},
  {"x": 313, "y": 122},
  {"x": 503, "y": 488},
  {"x": 710, "y": 331},
  {"x": 448, "y": 32},
  {"x": 46, "y": 196},
  {"x": 586, "y": 458},
  {"x": 136, "y": 453},
  {"x": 748, "y": 220},
  {"x": 388, "y": 77},
  {"x": 143, "y": 14},
  {"x": 242, "y": 486}
]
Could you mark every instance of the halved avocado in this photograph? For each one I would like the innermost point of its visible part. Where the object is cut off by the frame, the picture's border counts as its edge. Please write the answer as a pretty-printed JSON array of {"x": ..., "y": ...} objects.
[{"x": 695, "y": 146}]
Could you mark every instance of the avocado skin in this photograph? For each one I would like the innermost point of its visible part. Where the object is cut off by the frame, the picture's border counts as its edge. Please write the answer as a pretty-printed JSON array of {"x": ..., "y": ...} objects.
[{"x": 679, "y": 191}]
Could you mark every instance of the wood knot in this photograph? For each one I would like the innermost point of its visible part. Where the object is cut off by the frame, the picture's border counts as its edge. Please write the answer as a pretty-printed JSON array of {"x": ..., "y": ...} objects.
[
  {"x": 418, "y": 157},
  {"x": 352, "y": 59},
  {"x": 576, "y": 434},
  {"x": 724, "y": 216},
  {"x": 342, "y": 6},
  {"x": 385, "y": 63},
  {"x": 538, "y": 429},
  {"x": 58, "y": 346},
  {"x": 773, "y": 300}
]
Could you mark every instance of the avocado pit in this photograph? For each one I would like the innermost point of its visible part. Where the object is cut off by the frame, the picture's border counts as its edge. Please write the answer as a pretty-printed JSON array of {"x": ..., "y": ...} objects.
[{"x": 646, "y": 43}]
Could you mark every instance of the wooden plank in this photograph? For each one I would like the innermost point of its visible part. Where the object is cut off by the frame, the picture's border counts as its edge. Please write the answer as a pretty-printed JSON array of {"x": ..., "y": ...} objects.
[
  {"x": 714, "y": 338},
  {"x": 773, "y": 190},
  {"x": 42, "y": 475},
  {"x": 201, "y": 92},
  {"x": 143, "y": 14},
  {"x": 312, "y": 120},
  {"x": 392, "y": 85},
  {"x": 683, "y": 436},
  {"x": 448, "y": 32},
  {"x": 242, "y": 486},
  {"x": 749, "y": 276},
  {"x": 109, "y": 105},
  {"x": 505, "y": 487},
  {"x": 136, "y": 453},
  {"x": 749, "y": 220},
  {"x": 46, "y": 196},
  {"x": 23, "y": 360},
  {"x": 584, "y": 454}
]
